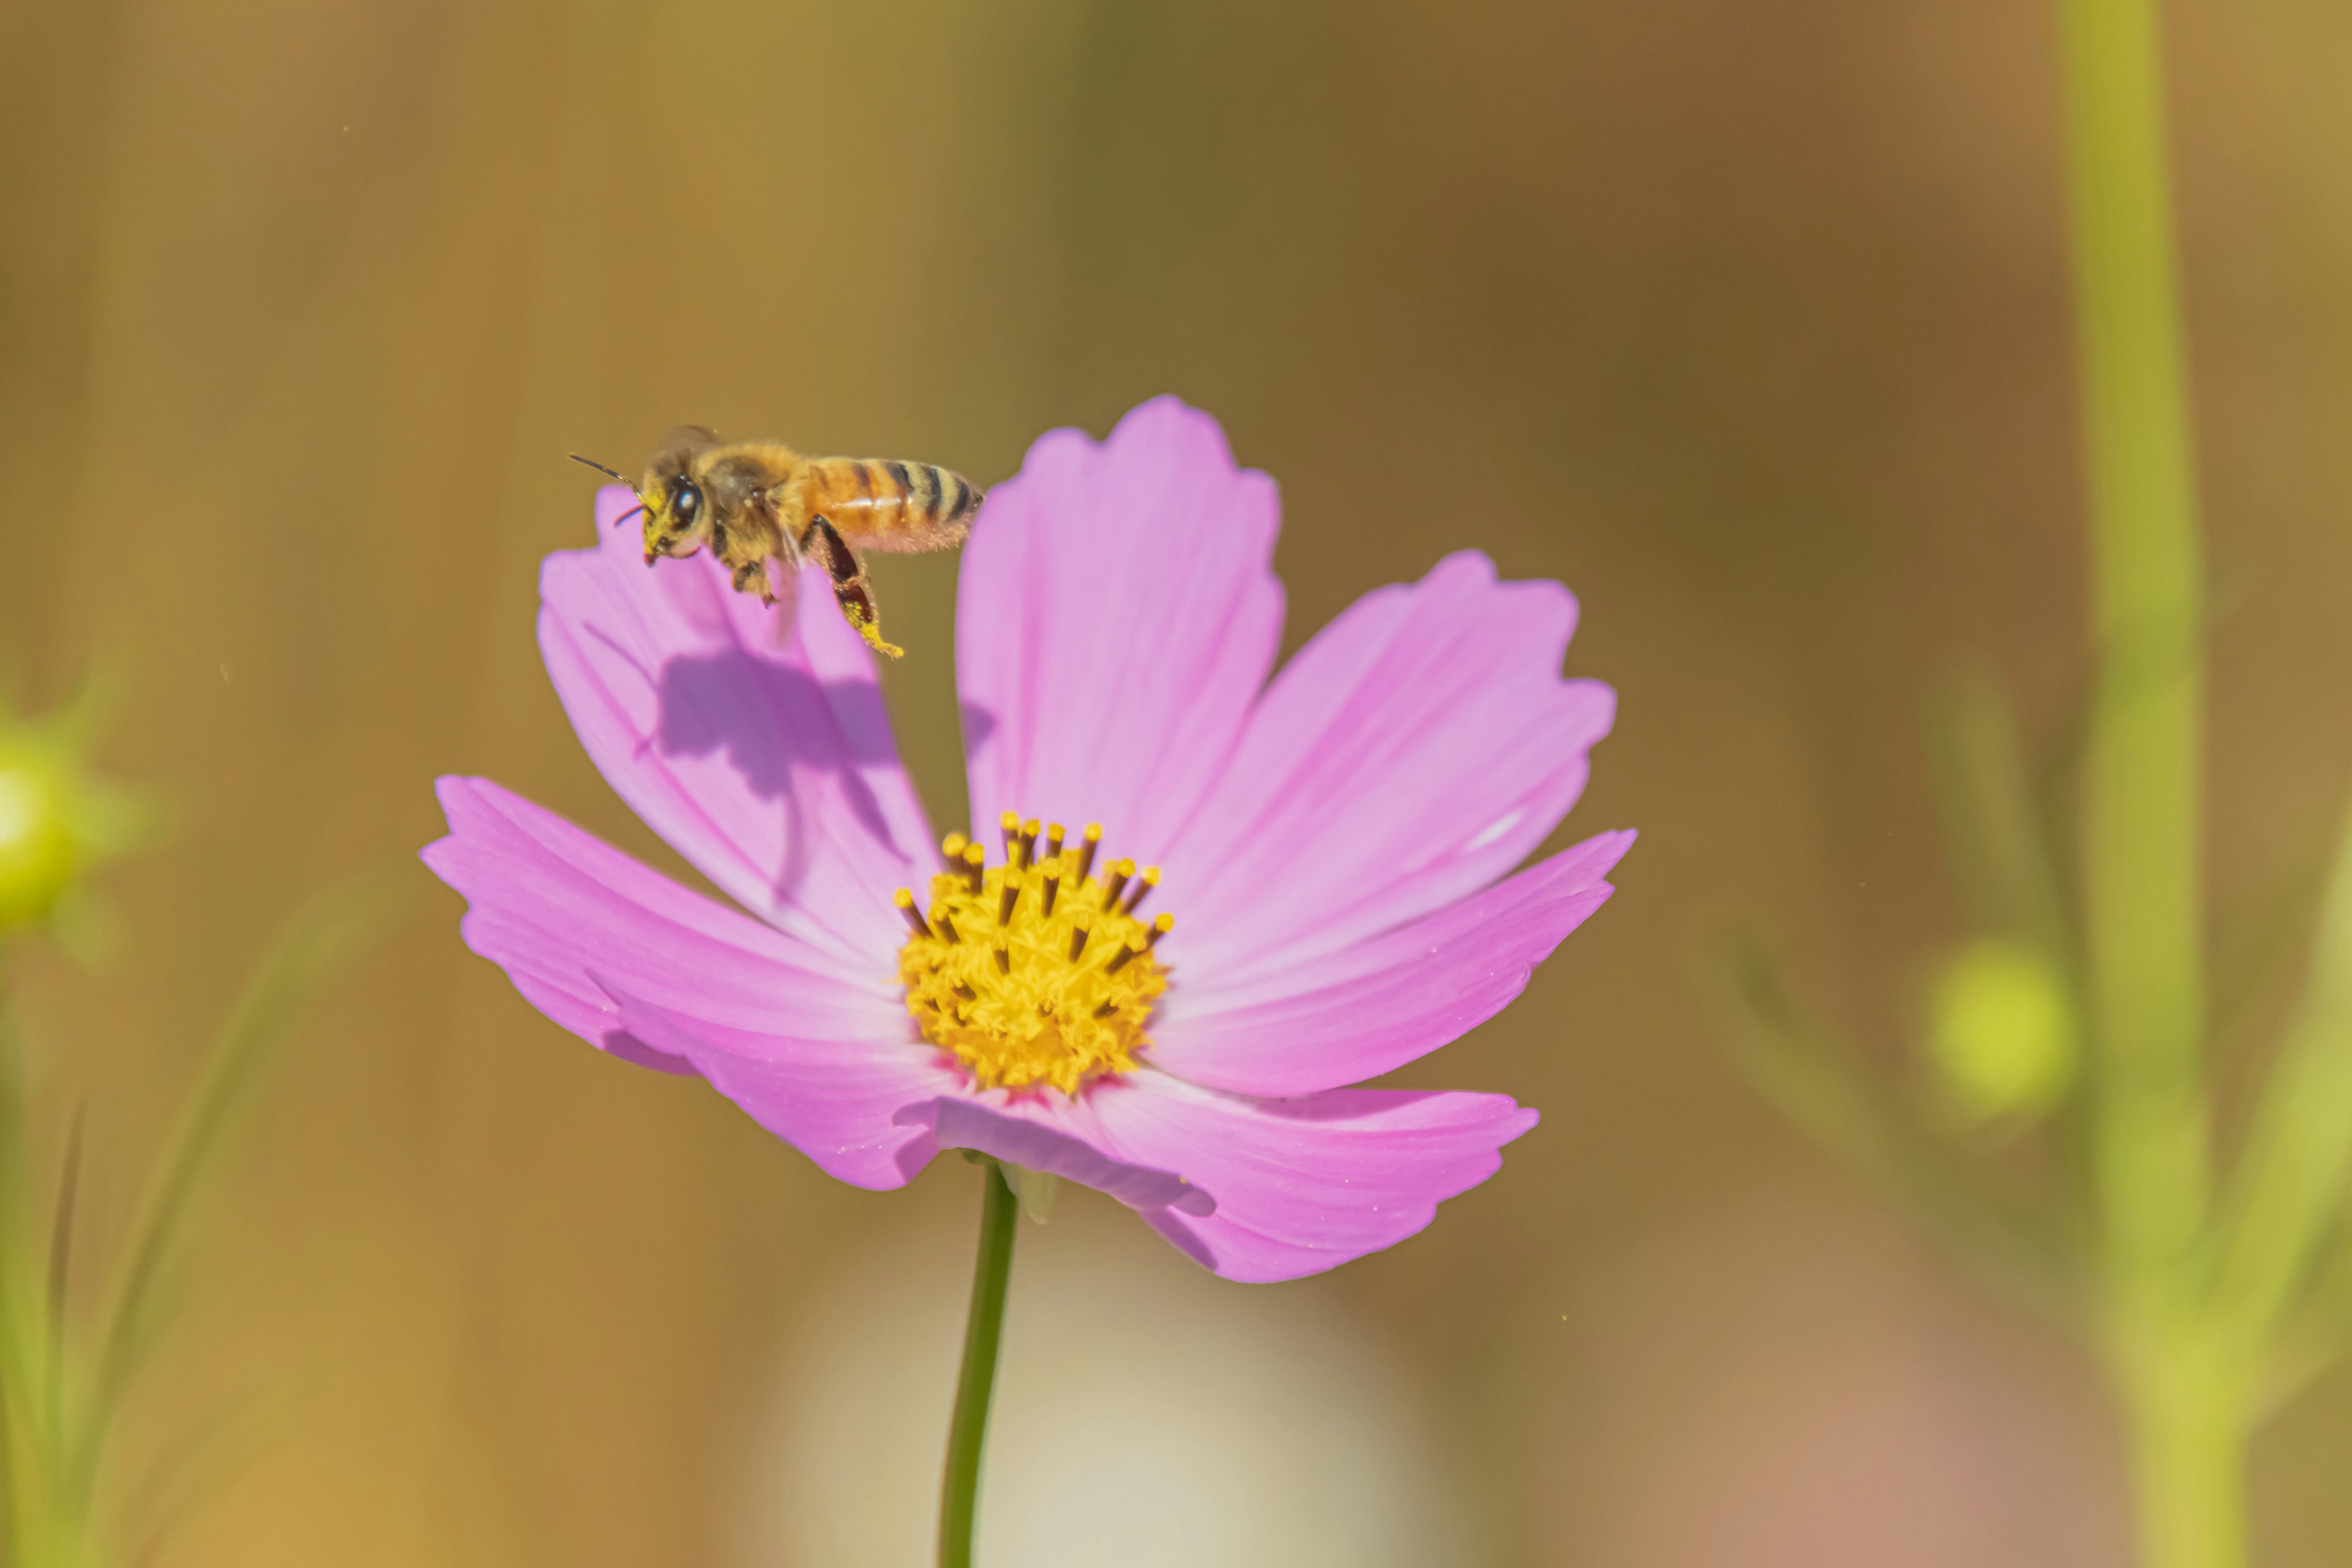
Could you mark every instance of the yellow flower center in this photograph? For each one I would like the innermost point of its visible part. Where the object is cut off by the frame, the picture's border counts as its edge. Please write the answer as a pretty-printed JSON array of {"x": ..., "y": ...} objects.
[{"x": 1035, "y": 970}]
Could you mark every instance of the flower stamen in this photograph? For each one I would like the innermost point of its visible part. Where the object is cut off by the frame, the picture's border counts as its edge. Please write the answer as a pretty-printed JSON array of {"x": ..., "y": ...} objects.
[
  {"x": 906, "y": 902},
  {"x": 1148, "y": 881},
  {"x": 1032, "y": 1005}
]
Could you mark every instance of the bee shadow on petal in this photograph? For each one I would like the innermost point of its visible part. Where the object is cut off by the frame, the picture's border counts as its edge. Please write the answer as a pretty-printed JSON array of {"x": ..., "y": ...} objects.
[
  {"x": 979, "y": 724},
  {"x": 777, "y": 726}
]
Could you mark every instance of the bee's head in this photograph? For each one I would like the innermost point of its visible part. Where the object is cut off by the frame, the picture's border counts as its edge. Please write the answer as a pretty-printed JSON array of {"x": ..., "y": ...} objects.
[
  {"x": 677, "y": 515},
  {"x": 677, "y": 507}
]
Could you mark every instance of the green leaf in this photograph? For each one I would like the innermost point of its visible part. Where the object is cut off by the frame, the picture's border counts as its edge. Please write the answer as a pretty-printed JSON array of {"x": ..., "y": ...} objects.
[
  {"x": 321, "y": 937},
  {"x": 19, "y": 1316},
  {"x": 2265, "y": 927},
  {"x": 2289, "y": 1186},
  {"x": 1818, "y": 1085},
  {"x": 1993, "y": 836},
  {"x": 1786, "y": 1057}
]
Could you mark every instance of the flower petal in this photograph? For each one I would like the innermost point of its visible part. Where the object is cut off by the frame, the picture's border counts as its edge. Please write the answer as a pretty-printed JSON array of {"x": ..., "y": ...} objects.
[
  {"x": 568, "y": 916},
  {"x": 761, "y": 754},
  {"x": 837, "y": 1100},
  {"x": 1418, "y": 748},
  {"x": 1116, "y": 617},
  {"x": 1055, "y": 1134},
  {"x": 1303, "y": 1186},
  {"x": 1375, "y": 1006}
]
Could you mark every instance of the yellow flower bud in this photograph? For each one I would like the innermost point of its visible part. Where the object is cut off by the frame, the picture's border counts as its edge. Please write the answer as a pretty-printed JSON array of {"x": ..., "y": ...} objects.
[
  {"x": 57, "y": 819},
  {"x": 2002, "y": 1032},
  {"x": 37, "y": 850}
]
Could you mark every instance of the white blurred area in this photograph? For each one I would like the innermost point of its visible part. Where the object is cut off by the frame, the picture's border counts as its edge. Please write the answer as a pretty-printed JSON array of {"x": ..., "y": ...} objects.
[{"x": 1148, "y": 1414}]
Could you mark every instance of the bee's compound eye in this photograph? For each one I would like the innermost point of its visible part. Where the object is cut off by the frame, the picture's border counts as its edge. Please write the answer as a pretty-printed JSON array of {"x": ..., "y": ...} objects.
[{"x": 687, "y": 500}]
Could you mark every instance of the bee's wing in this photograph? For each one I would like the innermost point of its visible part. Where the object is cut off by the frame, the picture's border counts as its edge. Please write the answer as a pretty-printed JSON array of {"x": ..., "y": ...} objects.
[
  {"x": 784, "y": 582},
  {"x": 683, "y": 442}
]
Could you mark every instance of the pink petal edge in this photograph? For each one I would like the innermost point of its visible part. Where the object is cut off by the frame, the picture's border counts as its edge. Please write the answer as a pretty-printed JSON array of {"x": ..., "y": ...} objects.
[
  {"x": 1370, "y": 1008},
  {"x": 1413, "y": 752},
  {"x": 1058, "y": 1134},
  {"x": 837, "y": 1101},
  {"x": 1304, "y": 1185},
  {"x": 556, "y": 908}
]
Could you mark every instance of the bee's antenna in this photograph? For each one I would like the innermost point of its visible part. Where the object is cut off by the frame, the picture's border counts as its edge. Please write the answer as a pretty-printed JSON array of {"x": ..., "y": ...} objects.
[
  {"x": 599, "y": 468},
  {"x": 603, "y": 469}
]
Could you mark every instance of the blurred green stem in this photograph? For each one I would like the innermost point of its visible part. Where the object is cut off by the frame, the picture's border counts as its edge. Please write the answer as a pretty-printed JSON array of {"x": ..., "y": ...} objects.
[
  {"x": 2142, "y": 802},
  {"x": 1000, "y": 1215},
  {"x": 46, "y": 1525},
  {"x": 48, "y": 1519},
  {"x": 2186, "y": 1398}
]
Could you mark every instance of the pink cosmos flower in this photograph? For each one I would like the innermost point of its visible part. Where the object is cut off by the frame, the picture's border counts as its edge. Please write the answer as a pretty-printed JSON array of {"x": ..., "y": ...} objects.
[{"x": 1336, "y": 843}]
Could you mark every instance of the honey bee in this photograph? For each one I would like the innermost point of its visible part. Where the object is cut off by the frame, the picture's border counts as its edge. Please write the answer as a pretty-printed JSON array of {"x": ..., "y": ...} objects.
[{"x": 757, "y": 502}]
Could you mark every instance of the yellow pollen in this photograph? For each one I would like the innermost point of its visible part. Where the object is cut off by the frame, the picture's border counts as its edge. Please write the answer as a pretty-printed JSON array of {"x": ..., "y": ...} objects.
[{"x": 1033, "y": 973}]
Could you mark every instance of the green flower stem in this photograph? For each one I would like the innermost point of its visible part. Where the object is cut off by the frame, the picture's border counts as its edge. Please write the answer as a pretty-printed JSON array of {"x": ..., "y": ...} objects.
[
  {"x": 47, "y": 1523},
  {"x": 2142, "y": 833},
  {"x": 2142, "y": 805},
  {"x": 2185, "y": 1399},
  {"x": 983, "y": 1331}
]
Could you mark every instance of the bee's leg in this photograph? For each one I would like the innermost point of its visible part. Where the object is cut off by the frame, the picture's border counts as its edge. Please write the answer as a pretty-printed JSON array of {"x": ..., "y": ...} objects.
[
  {"x": 851, "y": 586},
  {"x": 752, "y": 545},
  {"x": 745, "y": 567},
  {"x": 752, "y": 577}
]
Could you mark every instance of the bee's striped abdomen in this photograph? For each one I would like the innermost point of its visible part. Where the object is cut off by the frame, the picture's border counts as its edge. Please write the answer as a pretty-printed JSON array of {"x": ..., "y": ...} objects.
[{"x": 893, "y": 506}]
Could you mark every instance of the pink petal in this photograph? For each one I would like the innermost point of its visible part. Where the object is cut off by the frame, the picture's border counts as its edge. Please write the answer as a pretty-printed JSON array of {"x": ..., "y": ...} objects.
[
  {"x": 1378, "y": 1004},
  {"x": 568, "y": 918},
  {"x": 1422, "y": 745},
  {"x": 762, "y": 755},
  {"x": 836, "y": 1100},
  {"x": 1115, "y": 618},
  {"x": 1303, "y": 1186},
  {"x": 1050, "y": 1132}
]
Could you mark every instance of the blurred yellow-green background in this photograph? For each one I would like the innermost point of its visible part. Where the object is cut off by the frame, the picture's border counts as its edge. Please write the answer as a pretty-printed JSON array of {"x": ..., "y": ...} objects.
[{"x": 1748, "y": 321}]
